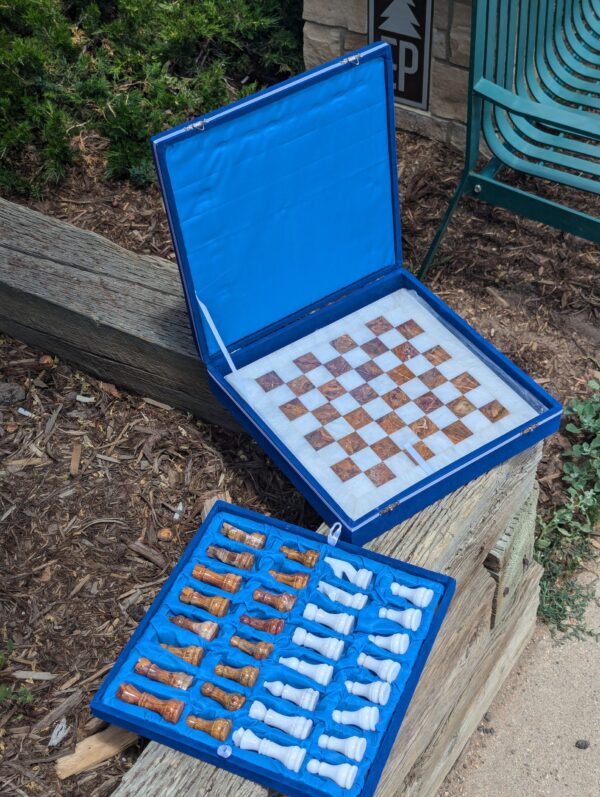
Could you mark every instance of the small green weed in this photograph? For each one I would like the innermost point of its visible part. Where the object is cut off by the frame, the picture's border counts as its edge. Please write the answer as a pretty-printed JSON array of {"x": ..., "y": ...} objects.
[
  {"x": 8, "y": 694},
  {"x": 5, "y": 652}
]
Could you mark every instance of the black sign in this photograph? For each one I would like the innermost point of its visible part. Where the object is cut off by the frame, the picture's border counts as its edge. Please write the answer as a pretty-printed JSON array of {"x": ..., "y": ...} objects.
[{"x": 406, "y": 26}]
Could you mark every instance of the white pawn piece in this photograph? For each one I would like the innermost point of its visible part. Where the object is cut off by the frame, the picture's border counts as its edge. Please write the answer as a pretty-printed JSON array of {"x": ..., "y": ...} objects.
[
  {"x": 360, "y": 578},
  {"x": 386, "y": 669},
  {"x": 327, "y": 646},
  {"x": 376, "y": 691},
  {"x": 342, "y": 623},
  {"x": 305, "y": 698},
  {"x": 298, "y": 727},
  {"x": 407, "y": 618},
  {"x": 418, "y": 596},
  {"x": 342, "y": 774},
  {"x": 338, "y": 595},
  {"x": 353, "y": 747},
  {"x": 396, "y": 643},
  {"x": 365, "y": 718},
  {"x": 321, "y": 673},
  {"x": 290, "y": 757}
]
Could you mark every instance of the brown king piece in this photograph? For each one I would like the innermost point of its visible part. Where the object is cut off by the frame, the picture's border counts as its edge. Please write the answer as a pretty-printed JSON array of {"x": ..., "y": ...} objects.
[
  {"x": 253, "y": 539},
  {"x": 272, "y": 625},
  {"x": 218, "y": 729},
  {"x": 283, "y": 602},
  {"x": 169, "y": 710},
  {"x": 229, "y": 700},
  {"x": 245, "y": 676},
  {"x": 307, "y": 558},
  {"x": 213, "y": 604},
  {"x": 180, "y": 680},
  {"x": 244, "y": 560},
  {"x": 229, "y": 582},
  {"x": 258, "y": 650},
  {"x": 191, "y": 653},
  {"x": 206, "y": 629},
  {"x": 294, "y": 580}
]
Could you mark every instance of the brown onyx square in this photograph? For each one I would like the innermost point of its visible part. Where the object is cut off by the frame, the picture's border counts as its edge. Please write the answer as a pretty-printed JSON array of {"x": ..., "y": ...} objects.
[
  {"x": 461, "y": 406},
  {"x": 405, "y": 351},
  {"x": 326, "y": 413},
  {"x": 352, "y": 443},
  {"x": 457, "y": 431},
  {"x": 494, "y": 411},
  {"x": 369, "y": 370},
  {"x": 307, "y": 362},
  {"x": 343, "y": 344},
  {"x": 433, "y": 378},
  {"x": 358, "y": 418},
  {"x": 379, "y": 474},
  {"x": 385, "y": 448},
  {"x": 423, "y": 427},
  {"x": 396, "y": 398},
  {"x": 346, "y": 469},
  {"x": 409, "y": 329},
  {"x": 332, "y": 389},
  {"x": 363, "y": 393},
  {"x": 300, "y": 385},
  {"x": 319, "y": 438},
  {"x": 374, "y": 347},
  {"x": 269, "y": 381},
  {"x": 437, "y": 355},
  {"x": 293, "y": 409},
  {"x": 379, "y": 325},
  {"x": 423, "y": 450},
  {"x": 428, "y": 402},
  {"x": 338, "y": 366},
  {"x": 391, "y": 423},
  {"x": 465, "y": 382},
  {"x": 401, "y": 374}
]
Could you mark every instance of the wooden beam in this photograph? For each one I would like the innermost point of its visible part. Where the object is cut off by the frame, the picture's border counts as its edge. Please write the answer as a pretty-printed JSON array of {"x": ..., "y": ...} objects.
[{"x": 94, "y": 750}]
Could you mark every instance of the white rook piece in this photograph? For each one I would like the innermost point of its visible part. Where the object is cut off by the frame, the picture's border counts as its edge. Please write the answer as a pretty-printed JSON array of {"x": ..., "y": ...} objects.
[
  {"x": 290, "y": 757},
  {"x": 365, "y": 718},
  {"x": 338, "y": 595},
  {"x": 342, "y": 774},
  {"x": 407, "y": 618},
  {"x": 305, "y": 698},
  {"x": 360, "y": 578},
  {"x": 341, "y": 622},
  {"x": 376, "y": 691},
  {"x": 321, "y": 673},
  {"x": 298, "y": 727},
  {"x": 418, "y": 596},
  {"x": 327, "y": 646},
  {"x": 386, "y": 669},
  {"x": 353, "y": 747},
  {"x": 396, "y": 643}
]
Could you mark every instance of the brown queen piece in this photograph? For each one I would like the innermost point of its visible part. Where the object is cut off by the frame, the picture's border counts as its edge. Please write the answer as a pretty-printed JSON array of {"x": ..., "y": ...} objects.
[
  {"x": 169, "y": 710},
  {"x": 294, "y": 580},
  {"x": 243, "y": 559},
  {"x": 253, "y": 539},
  {"x": 229, "y": 700},
  {"x": 258, "y": 650},
  {"x": 218, "y": 729},
  {"x": 179, "y": 680},
  {"x": 213, "y": 604},
  {"x": 283, "y": 602},
  {"x": 205, "y": 629},
  {"x": 191, "y": 653},
  {"x": 229, "y": 582},
  {"x": 245, "y": 676},
  {"x": 307, "y": 558},
  {"x": 272, "y": 625}
]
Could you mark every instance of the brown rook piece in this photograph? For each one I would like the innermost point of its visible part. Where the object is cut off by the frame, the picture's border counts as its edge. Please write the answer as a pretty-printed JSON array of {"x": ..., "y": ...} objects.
[
  {"x": 213, "y": 604},
  {"x": 229, "y": 700},
  {"x": 307, "y": 558},
  {"x": 295, "y": 580},
  {"x": 283, "y": 602},
  {"x": 246, "y": 676},
  {"x": 169, "y": 710},
  {"x": 254, "y": 539},
  {"x": 258, "y": 650},
  {"x": 180, "y": 680},
  {"x": 244, "y": 559},
  {"x": 218, "y": 729},
  {"x": 274, "y": 625},
  {"x": 229, "y": 582},
  {"x": 192, "y": 653},
  {"x": 205, "y": 629}
]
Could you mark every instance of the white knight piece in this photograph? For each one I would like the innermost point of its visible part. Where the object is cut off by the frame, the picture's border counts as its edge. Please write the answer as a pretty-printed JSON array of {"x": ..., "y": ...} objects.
[
  {"x": 386, "y": 669},
  {"x": 376, "y": 692},
  {"x": 353, "y": 747},
  {"x": 290, "y": 757},
  {"x": 418, "y": 596},
  {"x": 305, "y": 698},
  {"x": 407, "y": 618},
  {"x": 360, "y": 578},
  {"x": 342, "y": 774},
  {"x": 365, "y": 718},
  {"x": 342, "y": 623},
  {"x": 338, "y": 595},
  {"x": 298, "y": 727},
  {"x": 327, "y": 646},
  {"x": 396, "y": 643},
  {"x": 321, "y": 673}
]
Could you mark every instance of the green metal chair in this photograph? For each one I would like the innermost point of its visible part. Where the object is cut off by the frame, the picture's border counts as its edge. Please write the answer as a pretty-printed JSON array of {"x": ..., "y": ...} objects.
[{"x": 534, "y": 97}]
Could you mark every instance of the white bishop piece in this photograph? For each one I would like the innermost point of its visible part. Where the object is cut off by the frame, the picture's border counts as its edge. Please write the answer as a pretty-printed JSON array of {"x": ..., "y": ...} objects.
[
  {"x": 290, "y": 757},
  {"x": 342, "y": 623},
  {"x": 407, "y": 618},
  {"x": 342, "y": 774},
  {"x": 365, "y": 718},
  {"x": 396, "y": 643},
  {"x": 327, "y": 646},
  {"x": 298, "y": 727},
  {"x": 386, "y": 669},
  {"x": 418, "y": 596},
  {"x": 305, "y": 698},
  {"x": 321, "y": 673},
  {"x": 353, "y": 747},
  {"x": 338, "y": 595},
  {"x": 360, "y": 578},
  {"x": 376, "y": 691}
]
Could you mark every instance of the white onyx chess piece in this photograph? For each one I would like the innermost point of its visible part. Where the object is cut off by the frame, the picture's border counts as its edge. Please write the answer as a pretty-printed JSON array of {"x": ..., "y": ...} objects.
[
  {"x": 386, "y": 669},
  {"x": 418, "y": 596},
  {"x": 321, "y": 673},
  {"x": 305, "y": 698},
  {"x": 407, "y": 618},
  {"x": 360, "y": 578},
  {"x": 396, "y": 643},
  {"x": 342, "y": 623},
  {"x": 342, "y": 774},
  {"x": 365, "y": 718},
  {"x": 353, "y": 747},
  {"x": 298, "y": 727},
  {"x": 338, "y": 595},
  {"x": 327, "y": 646},
  {"x": 290, "y": 757},
  {"x": 376, "y": 691}
]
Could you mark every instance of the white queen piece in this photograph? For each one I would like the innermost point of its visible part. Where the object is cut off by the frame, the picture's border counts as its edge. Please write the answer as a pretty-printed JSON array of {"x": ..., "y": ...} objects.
[{"x": 290, "y": 757}]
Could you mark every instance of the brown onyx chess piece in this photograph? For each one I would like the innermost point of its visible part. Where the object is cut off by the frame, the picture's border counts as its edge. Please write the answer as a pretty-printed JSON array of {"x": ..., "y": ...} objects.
[
  {"x": 229, "y": 700},
  {"x": 245, "y": 676},
  {"x": 192, "y": 653},
  {"x": 180, "y": 680},
  {"x": 307, "y": 558},
  {"x": 283, "y": 602},
  {"x": 274, "y": 625},
  {"x": 229, "y": 582},
  {"x": 218, "y": 729},
  {"x": 258, "y": 650},
  {"x": 295, "y": 580},
  {"x": 253, "y": 539},
  {"x": 205, "y": 629},
  {"x": 213, "y": 604},
  {"x": 244, "y": 559},
  {"x": 169, "y": 710}
]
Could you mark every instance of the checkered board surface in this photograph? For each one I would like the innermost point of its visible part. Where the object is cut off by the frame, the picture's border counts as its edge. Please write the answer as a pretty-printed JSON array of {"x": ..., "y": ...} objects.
[{"x": 378, "y": 400}]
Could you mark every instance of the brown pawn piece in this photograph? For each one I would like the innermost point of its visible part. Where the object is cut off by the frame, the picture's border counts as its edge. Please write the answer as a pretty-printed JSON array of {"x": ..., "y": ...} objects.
[
  {"x": 295, "y": 580},
  {"x": 205, "y": 629},
  {"x": 218, "y": 729},
  {"x": 180, "y": 680},
  {"x": 307, "y": 558},
  {"x": 229, "y": 700},
  {"x": 258, "y": 650},
  {"x": 213, "y": 604},
  {"x": 246, "y": 676},
  {"x": 229, "y": 582},
  {"x": 274, "y": 625},
  {"x": 192, "y": 653},
  {"x": 244, "y": 560},
  {"x": 282, "y": 602},
  {"x": 254, "y": 539},
  {"x": 169, "y": 710}
]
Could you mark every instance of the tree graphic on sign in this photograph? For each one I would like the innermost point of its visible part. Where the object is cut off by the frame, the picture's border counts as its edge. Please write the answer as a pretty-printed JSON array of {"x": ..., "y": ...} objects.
[{"x": 400, "y": 19}]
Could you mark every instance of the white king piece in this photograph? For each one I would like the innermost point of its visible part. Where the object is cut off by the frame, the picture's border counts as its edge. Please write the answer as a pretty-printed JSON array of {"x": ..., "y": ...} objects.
[
  {"x": 407, "y": 618},
  {"x": 353, "y": 747},
  {"x": 386, "y": 669},
  {"x": 342, "y": 623},
  {"x": 321, "y": 673},
  {"x": 338, "y": 595},
  {"x": 396, "y": 643},
  {"x": 298, "y": 727},
  {"x": 342, "y": 774},
  {"x": 327, "y": 646},
  {"x": 290, "y": 757},
  {"x": 365, "y": 718},
  {"x": 360, "y": 578},
  {"x": 376, "y": 692},
  {"x": 305, "y": 698},
  {"x": 418, "y": 596}
]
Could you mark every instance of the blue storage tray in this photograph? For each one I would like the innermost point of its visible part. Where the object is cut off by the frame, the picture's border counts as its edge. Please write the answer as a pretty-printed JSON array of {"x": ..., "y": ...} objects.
[{"x": 156, "y": 627}]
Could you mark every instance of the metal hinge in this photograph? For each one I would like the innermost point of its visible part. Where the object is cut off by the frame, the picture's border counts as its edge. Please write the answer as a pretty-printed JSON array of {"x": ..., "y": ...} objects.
[
  {"x": 530, "y": 428},
  {"x": 334, "y": 534},
  {"x": 199, "y": 125},
  {"x": 352, "y": 59}
]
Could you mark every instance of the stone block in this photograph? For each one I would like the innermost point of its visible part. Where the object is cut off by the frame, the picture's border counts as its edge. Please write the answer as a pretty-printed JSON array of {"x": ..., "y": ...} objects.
[
  {"x": 439, "y": 44},
  {"x": 349, "y": 14},
  {"x": 321, "y": 43},
  {"x": 352, "y": 41},
  {"x": 449, "y": 86},
  {"x": 441, "y": 14},
  {"x": 422, "y": 123},
  {"x": 460, "y": 34},
  {"x": 457, "y": 135}
]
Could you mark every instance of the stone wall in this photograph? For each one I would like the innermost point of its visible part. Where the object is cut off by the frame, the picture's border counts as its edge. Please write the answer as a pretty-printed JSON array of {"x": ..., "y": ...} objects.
[{"x": 335, "y": 27}]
